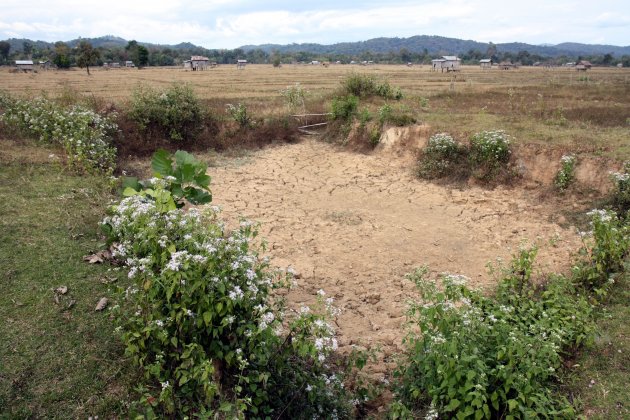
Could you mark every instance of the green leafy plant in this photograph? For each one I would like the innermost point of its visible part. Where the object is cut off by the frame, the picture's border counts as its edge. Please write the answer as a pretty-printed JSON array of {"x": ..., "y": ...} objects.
[
  {"x": 566, "y": 173},
  {"x": 603, "y": 253},
  {"x": 294, "y": 97},
  {"x": 620, "y": 195},
  {"x": 474, "y": 356},
  {"x": 175, "y": 112},
  {"x": 239, "y": 114},
  {"x": 344, "y": 108},
  {"x": 364, "y": 85},
  {"x": 489, "y": 153},
  {"x": 441, "y": 154},
  {"x": 178, "y": 179},
  {"x": 84, "y": 135}
]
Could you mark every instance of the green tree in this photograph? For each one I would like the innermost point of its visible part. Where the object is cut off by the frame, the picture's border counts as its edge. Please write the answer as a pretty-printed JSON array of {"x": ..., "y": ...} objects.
[
  {"x": 62, "y": 55},
  {"x": 87, "y": 55},
  {"x": 27, "y": 47},
  {"x": 142, "y": 55},
  {"x": 5, "y": 47}
]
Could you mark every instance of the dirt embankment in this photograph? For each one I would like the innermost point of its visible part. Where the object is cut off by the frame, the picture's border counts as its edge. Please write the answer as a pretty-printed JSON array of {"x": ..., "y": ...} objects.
[{"x": 354, "y": 225}]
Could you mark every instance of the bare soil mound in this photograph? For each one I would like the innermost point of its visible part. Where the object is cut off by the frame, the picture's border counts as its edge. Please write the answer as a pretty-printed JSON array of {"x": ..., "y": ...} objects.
[{"x": 355, "y": 224}]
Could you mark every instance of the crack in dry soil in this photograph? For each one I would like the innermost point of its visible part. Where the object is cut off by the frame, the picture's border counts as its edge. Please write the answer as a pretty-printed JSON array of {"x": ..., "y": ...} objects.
[{"x": 355, "y": 224}]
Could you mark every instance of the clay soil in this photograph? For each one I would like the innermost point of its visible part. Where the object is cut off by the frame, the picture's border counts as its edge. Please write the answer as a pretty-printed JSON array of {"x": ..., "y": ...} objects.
[{"x": 354, "y": 224}]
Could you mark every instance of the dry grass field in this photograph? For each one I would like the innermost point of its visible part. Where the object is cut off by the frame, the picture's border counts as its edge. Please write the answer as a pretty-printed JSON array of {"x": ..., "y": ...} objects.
[{"x": 588, "y": 112}]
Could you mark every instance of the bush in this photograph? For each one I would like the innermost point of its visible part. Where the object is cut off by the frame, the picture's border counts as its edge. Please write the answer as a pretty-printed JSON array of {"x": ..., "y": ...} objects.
[
  {"x": 84, "y": 135},
  {"x": 344, "y": 108},
  {"x": 604, "y": 251},
  {"x": 481, "y": 357},
  {"x": 294, "y": 97},
  {"x": 441, "y": 155},
  {"x": 364, "y": 85},
  {"x": 175, "y": 112},
  {"x": 566, "y": 174},
  {"x": 239, "y": 114},
  {"x": 202, "y": 323},
  {"x": 620, "y": 196},
  {"x": 489, "y": 153}
]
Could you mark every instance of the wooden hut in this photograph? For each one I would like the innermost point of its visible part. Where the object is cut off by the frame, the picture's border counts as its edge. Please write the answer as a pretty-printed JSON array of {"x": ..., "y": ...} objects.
[
  {"x": 240, "y": 64},
  {"x": 485, "y": 63},
  {"x": 586, "y": 64},
  {"x": 24, "y": 65},
  {"x": 506, "y": 65},
  {"x": 129, "y": 63},
  {"x": 447, "y": 62},
  {"x": 198, "y": 62},
  {"x": 44, "y": 65}
]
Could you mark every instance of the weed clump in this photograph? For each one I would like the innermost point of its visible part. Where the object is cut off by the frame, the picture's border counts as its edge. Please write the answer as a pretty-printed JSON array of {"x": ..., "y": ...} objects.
[
  {"x": 175, "y": 112},
  {"x": 364, "y": 86},
  {"x": 440, "y": 157},
  {"x": 566, "y": 175}
]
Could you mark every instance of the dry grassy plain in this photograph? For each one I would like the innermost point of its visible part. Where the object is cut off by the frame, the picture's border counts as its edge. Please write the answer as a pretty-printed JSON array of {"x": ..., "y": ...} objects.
[{"x": 586, "y": 112}]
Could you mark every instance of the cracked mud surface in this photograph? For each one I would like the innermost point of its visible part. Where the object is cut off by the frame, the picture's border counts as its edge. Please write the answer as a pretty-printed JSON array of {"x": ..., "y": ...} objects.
[{"x": 355, "y": 224}]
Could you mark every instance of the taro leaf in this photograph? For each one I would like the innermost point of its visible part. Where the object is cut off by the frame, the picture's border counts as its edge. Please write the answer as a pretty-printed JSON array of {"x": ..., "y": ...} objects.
[
  {"x": 131, "y": 182},
  {"x": 102, "y": 303},
  {"x": 184, "y": 158},
  {"x": 128, "y": 192},
  {"x": 198, "y": 196},
  {"x": 162, "y": 163},
  {"x": 202, "y": 179}
]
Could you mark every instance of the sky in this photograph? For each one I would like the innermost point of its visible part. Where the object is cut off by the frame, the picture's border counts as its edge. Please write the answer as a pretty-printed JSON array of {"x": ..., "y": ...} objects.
[{"x": 233, "y": 23}]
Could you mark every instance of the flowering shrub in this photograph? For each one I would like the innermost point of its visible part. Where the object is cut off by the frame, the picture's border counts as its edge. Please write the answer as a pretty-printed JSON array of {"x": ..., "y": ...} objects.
[
  {"x": 566, "y": 174},
  {"x": 239, "y": 114},
  {"x": 439, "y": 156},
  {"x": 84, "y": 134},
  {"x": 604, "y": 251},
  {"x": 202, "y": 323},
  {"x": 294, "y": 97},
  {"x": 175, "y": 112},
  {"x": 489, "y": 152},
  {"x": 621, "y": 191},
  {"x": 480, "y": 357}
]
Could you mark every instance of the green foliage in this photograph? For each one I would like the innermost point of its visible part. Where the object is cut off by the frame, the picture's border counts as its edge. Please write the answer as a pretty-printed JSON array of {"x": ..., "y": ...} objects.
[
  {"x": 87, "y": 55},
  {"x": 620, "y": 195},
  {"x": 178, "y": 179},
  {"x": 175, "y": 112},
  {"x": 440, "y": 156},
  {"x": 364, "y": 117},
  {"x": 566, "y": 174},
  {"x": 344, "y": 107},
  {"x": 239, "y": 114},
  {"x": 202, "y": 322},
  {"x": 294, "y": 97},
  {"x": 480, "y": 357},
  {"x": 84, "y": 134},
  {"x": 489, "y": 153},
  {"x": 364, "y": 85},
  {"x": 399, "y": 116},
  {"x": 604, "y": 251}
]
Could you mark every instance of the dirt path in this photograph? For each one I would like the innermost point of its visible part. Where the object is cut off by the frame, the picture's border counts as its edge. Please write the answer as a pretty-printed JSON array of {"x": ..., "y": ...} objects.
[{"x": 354, "y": 225}]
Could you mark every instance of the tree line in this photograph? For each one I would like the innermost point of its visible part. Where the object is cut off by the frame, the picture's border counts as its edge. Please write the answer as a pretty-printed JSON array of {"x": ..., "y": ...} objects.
[{"x": 85, "y": 55}]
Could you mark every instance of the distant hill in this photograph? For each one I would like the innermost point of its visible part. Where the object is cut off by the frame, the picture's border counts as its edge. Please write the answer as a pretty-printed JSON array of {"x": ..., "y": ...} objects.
[
  {"x": 107, "y": 41},
  {"x": 434, "y": 45},
  {"x": 440, "y": 45}
]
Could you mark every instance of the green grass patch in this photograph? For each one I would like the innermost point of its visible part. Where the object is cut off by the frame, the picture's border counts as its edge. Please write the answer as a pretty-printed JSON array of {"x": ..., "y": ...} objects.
[
  {"x": 598, "y": 377},
  {"x": 57, "y": 360}
]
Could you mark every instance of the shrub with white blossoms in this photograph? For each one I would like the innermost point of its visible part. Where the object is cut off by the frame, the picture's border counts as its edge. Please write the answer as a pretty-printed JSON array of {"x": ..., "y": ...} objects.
[
  {"x": 489, "y": 152},
  {"x": 439, "y": 156},
  {"x": 84, "y": 134},
  {"x": 201, "y": 321},
  {"x": 472, "y": 356},
  {"x": 604, "y": 251},
  {"x": 566, "y": 173},
  {"x": 621, "y": 190}
]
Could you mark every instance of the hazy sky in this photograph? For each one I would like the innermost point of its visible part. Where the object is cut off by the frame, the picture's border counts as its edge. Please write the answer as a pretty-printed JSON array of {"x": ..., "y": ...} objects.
[{"x": 232, "y": 23}]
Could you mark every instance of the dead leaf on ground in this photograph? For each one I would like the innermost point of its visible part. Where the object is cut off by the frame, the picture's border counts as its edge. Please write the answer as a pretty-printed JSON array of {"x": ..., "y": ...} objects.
[
  {"x": 108, "y": 280},
  {"x": 98, "y": 257},
  {"x": 62, "y": 290},
  {"x": 102, "y": 303},
  {"x": 56, "y": 299},
  {"x": 71, "y": 304}
]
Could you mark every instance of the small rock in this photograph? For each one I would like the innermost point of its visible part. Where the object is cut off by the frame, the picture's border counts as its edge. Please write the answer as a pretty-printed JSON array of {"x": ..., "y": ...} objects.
[
  {"x": 62, "y": 290},
  {"x": 102, "y": 303}
]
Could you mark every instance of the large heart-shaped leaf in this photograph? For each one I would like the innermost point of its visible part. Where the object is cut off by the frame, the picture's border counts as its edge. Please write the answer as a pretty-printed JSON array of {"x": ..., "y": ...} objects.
[{"x": 162, "y": 163}]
